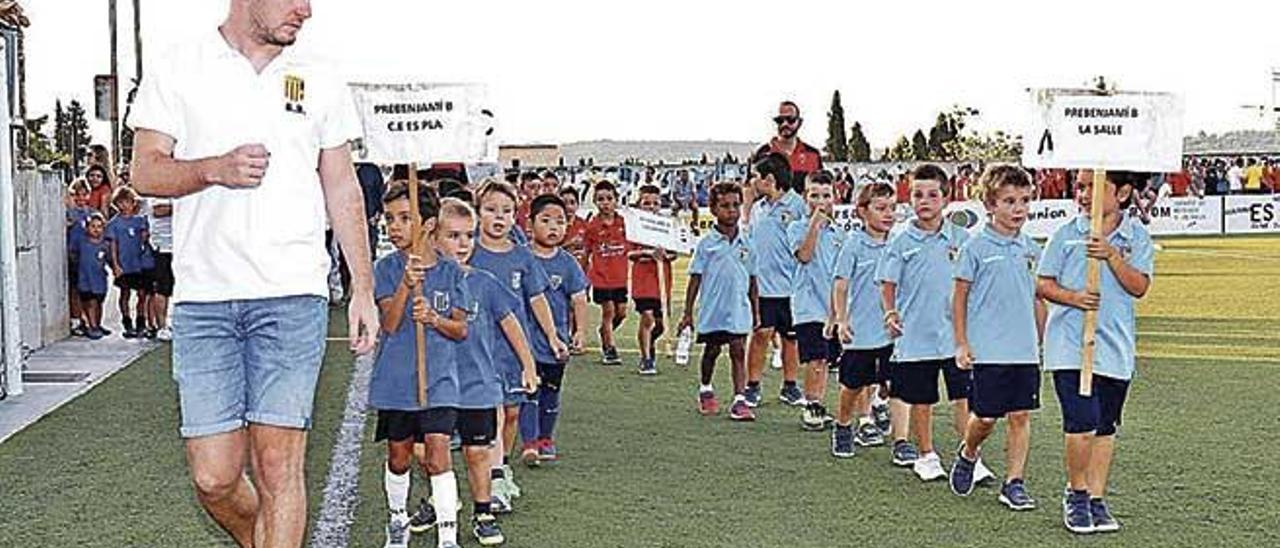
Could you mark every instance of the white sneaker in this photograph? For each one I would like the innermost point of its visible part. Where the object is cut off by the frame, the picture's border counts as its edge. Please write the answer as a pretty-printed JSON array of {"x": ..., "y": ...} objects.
[
  {"x": 929, "y": 467},
  {"x": 397, "y": 531},
  {"x": 776, "y": 362},
  {"x": 509, "y": 477},
  {"x": 981, "y": 473},
  {"x": 164, "y": 334}
]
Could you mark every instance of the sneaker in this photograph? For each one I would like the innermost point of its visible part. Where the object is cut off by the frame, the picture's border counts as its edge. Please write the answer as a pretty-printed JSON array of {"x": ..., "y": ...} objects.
[
  {"x": 842, "y": 442},
  {"x": 151, "y": 333},
  {"x": 740, "y": 412},
  {"x": 509, "y": 478},
  {"x": 1103, "y": 521},
  {"x": 397, "y": 531},
  {"x": 547, "y": 450},
  {"x": 776, "y": 361},
  {"x": 707, "y": 404},
  {"x": 129, "y": 333},
  {"x": 1077, "y": 513},
  {"x": 869, "y": 435},
  {"x": 529, "y": 453},
  {"x": 905, "y": 453},
  {"x": 1014, "y": 495},
  {"x": 104, "y": 331},
  {"x": 791, "y": 395},
  {"x": 79, "y": 331},
  {"x": 485, "y": 528},
  {"x": 929, "y": 467},
  {"x": 981, "y": 474},
  {"x": 609, "y": 356},
  {"x": 752, "y": 395},
  {"x": 423, "y": 519},
  {"x": 813, "y": 418},
  {"x": 648, "y": 366},
  {"x": 962, "y": 475},
  {"x": 164, "y": 334},
  {"x": 449, "y": 544},
  {"x": 881, "y": 414},
  {"x": 500, "y": 504},
  {"x": 95, "y": 334}
]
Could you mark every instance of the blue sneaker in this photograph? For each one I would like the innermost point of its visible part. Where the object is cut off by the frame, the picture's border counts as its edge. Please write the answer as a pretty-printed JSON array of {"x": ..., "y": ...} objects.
[
  {"x": 1103, "y": 521},
  {"x": 962, "y": 475},
  {"x": 791, "y": 395},
  {"x": 842, "y": 442},
  {"x": 1076, "y": 513},
  {"x": 648, "y": 366},
  {"x": 752, "y": 394},
  {"x": 1014, "y": 495},
  {"x": 869, "y": 435},
  {"x": 904, "y": 453},
  {"x": 881, "y": 414}
]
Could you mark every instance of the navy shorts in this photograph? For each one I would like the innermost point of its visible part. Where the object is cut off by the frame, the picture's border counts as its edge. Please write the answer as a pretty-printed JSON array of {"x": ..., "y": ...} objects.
[
  {"x": 615, "y": 295},
  {"x": 1098, "y": 414},
  {"x": 860, "y": 368},
  {"x": 646, "y": 304},
  {"x": 813, "y": 346},
  {"x": 477, "y": 427},
  {"x": 775, "y": 314},
  {"x": 137, "y": 281},
  {"x": 916, "y": 382},
  {"x": 999, "y": 389},
  {"x": 416, "y": 425},
  {"x": 718, "y": 338},
  {"x": 551, "y": 374}
]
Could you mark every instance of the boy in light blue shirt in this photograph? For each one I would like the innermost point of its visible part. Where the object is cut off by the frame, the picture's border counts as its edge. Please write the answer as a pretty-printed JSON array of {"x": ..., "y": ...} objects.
[
  {"x": 1090, "y": 423},
  {"x": 915, "y": 282},
  {"x": 816, "y": 245},
  {"x": 774, "y": 264},
  {"x": 859, "y": 324},
  {"x": 998, "y": 324},
  {"x": 720, "y": 275}
]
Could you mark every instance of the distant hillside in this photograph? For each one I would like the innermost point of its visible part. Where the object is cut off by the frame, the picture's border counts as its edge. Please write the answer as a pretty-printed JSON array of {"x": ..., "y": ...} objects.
[{"x": 608, "y": 152}]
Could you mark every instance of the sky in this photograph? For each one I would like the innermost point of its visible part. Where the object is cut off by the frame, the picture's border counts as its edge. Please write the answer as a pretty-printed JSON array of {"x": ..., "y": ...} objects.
[{"x": 562, "y": 71}]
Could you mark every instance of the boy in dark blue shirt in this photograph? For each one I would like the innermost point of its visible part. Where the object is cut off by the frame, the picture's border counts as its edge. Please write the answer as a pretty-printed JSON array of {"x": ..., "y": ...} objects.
[
  {"x": 129, "y": 238},
  {"x": 90, "y": 256}
]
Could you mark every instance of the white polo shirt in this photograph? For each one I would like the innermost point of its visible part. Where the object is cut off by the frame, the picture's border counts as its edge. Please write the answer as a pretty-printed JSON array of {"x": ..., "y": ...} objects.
[{"x": 248, "y": 243}]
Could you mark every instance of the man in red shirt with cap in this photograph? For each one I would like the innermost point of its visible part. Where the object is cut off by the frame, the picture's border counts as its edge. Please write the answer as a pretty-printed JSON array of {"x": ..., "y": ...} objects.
[{"x": 803, "y": 158}]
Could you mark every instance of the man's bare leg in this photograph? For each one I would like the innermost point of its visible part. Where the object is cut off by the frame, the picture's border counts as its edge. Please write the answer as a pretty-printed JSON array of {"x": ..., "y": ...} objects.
[
  {"x": 217, "y": 469},
  {"x": 277, "y": 456}
]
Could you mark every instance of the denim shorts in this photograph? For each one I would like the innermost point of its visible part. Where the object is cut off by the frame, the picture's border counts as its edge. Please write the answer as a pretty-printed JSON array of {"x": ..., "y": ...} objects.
[{"x": 250, "y": 361}]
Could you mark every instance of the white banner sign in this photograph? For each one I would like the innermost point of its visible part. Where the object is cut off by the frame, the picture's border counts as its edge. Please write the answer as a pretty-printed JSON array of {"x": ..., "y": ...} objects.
[
  {"x": 1081, "y": 129},
  {"x": 425, "y": 123},
  {"x": 1252, "y": 214},
  {"x": 659, "y": 231},
  {"x": 1181, "y": 216}
]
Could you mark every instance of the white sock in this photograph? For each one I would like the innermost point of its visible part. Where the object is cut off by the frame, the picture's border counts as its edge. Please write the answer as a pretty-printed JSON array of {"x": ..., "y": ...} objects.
[
  {"x": 706, "y": 388},
  {"x": 397, "y": 487},
  {"x": 444, "y": 488}
]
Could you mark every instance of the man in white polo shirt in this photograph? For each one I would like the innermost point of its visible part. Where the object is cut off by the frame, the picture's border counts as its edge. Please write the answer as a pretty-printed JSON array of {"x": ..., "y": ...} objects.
[{"x": 252, "y": 142}]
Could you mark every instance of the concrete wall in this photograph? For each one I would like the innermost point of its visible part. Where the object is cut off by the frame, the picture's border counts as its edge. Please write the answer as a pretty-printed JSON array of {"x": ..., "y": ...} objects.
[{"x": 42, "y": 257}]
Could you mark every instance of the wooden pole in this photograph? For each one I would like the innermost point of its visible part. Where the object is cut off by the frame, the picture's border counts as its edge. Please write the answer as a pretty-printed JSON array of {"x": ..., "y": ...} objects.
[
  {"x": 1093, "y": 278},
  {"x": 416, "y": 246},
  {"x": 666, "y": 305}
]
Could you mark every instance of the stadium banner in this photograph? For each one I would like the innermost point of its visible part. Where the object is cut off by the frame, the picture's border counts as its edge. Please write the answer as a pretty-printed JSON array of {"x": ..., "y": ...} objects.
[
  {"x": 1085, "y": 129},
  {"x": 661, "y": 231},
  {"x": 424, "y": 123},
  {"x": 1181, "y": 216},
  {"x": 1251, "y": 214}
]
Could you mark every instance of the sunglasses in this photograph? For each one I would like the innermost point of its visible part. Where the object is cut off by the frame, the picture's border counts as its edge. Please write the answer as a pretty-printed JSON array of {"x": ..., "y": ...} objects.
[{"x": 785, "y": 119}]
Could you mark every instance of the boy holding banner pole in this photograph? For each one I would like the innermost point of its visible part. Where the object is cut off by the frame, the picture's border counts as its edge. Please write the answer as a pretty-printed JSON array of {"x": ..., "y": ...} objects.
[
  {"x": 1091, "y": 381},
  {"x": 650, "y": 283}
]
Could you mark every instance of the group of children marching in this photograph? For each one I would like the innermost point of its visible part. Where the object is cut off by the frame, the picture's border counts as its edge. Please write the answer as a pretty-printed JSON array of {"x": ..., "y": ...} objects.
[{"x": 893, "y": 309}]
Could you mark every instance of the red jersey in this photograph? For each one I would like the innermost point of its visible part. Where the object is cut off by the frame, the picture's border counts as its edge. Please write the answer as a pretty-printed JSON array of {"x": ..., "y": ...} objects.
[
  {"x": 1178, "y": 183},
  {"x": 804, "y": 160},
  {"x": 644, "y": 276},
  {"x": 607, "y": 247},
  {"x": 522, "y": 215},
  {"x": 575, "y": 241}
]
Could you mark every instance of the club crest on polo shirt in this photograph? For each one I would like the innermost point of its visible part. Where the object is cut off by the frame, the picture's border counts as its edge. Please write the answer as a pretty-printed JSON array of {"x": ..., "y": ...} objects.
[
  {"x": 440, "y": 301},
  {"x": 953, "y": 253},
  {"x": 743, "y": 253},
  {"x": 515, "y": 280},
  {"x": 555, "y": 280},
  {"x": 1125, "y": 251},
  {"x": 295, "y": 90},
  {"x": 473, "y": 311}
]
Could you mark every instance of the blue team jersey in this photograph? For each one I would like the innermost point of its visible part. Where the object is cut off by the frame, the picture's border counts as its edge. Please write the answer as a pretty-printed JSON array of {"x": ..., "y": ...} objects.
[
  {"x": 91, "y": 267},
  {"x": 922, "y": 265},
  {"x": 857, "y": 264},
  {"x": 724, "y": 294},
  {"x": 565, "y": 279},
  {"x": 394, "y": 382},
  {"x": 811, "y": 295},
  {"x": 519, "y": 272},
  {"x": 76, "y": 218},
  {"x": 1064, "y": 259},
  {"x": 480, "y": 383},
  {"x": 1001, "y": 311},
  {"x": 774, "y": 261},
  {"x": 129, "y": 232}
]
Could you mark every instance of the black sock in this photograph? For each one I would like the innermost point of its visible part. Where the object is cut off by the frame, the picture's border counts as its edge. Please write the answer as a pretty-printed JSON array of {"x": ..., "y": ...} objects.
[
  {"x": 481, "y": 508},
  {"x": 127, "y": 322},
  {"x": 788, "y": 384},
  {"x": 506, "y": 460},
  {"x": 497, "y": 473},
  {"x": 753, "y": 385},
  {"x": 617, "y": 321},
  {"x": 657, "y": 332}
]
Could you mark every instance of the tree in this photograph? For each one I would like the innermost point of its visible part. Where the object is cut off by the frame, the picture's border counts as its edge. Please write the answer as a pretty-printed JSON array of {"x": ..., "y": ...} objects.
[
  {"x": 38, "y": 147},
  {"x": 71, "y": 132},
  {"x": 997, "y": 146},
  {"x": 901, "y": 151},
  {"x": 919, "y": 146},
  {"x": 837, "y": 144},
  {"x": 859, "y": 147}
]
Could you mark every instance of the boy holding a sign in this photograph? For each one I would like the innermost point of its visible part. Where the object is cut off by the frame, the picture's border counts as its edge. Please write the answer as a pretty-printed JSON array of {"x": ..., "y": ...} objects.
[
  {"x": 998, "y": 325},
  {"x": 433, "y": 285},
  {"x": 607, "y": 254},
  {"x": 816, "y": 245},
  {"x": 1090, "y": 421},
  {"x": 567, "y": 296},
  {"x": 646, "y": 289},
  {"x": 720, "y": 275}
]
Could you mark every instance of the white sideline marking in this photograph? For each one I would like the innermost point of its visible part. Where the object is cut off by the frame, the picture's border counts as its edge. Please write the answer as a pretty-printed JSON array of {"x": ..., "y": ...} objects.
[
  {"x": 337, "y": 511},
  {"x": 1244, "y": 256}
]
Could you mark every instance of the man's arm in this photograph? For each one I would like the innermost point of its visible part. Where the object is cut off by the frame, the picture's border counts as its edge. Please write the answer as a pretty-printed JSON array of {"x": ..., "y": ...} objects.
[
  {"x": 156, "y": 173},
  {"x": 345, "y": 205}
]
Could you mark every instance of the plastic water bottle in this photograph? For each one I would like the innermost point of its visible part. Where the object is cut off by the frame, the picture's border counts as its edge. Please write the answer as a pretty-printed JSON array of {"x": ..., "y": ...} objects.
[{"x": 683, "y": 346}]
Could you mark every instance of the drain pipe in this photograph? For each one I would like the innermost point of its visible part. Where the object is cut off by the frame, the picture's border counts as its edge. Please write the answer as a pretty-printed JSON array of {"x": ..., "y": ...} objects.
[{"x": 10, "y": 334}]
